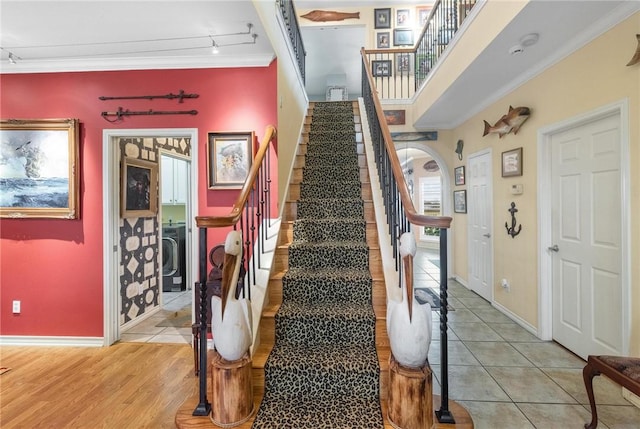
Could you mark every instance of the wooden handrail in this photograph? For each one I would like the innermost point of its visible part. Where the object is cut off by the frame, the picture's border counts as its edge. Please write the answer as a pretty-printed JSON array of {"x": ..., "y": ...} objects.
[
  {"x": 412, "y": 215},
  {"x": 236, "y": 211}
]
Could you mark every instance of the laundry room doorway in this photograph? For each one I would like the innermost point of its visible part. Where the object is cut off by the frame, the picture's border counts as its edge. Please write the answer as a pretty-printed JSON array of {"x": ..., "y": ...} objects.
[{"x": 152, "y": 250}]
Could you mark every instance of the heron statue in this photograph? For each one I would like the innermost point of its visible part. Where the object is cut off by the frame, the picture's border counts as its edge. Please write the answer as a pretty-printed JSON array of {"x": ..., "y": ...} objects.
[
  {"x": 231, "y": 320},
  {"x": 409, "y": 322}
]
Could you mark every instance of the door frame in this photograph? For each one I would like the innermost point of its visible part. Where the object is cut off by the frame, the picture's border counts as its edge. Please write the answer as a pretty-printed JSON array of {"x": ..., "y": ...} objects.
[
  {"x": 489, "y": 153},
  {"x": 110, "y": 216},
  {"x": 545, "y": 257}
]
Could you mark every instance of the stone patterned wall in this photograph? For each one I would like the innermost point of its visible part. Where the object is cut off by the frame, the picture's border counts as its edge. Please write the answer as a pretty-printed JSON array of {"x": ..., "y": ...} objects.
[{"x": 139, "y": 267}]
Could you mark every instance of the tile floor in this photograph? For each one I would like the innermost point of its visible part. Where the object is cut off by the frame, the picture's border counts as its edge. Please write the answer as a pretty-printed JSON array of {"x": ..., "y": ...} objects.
[
  {"x": 147, "y": 331},
  {"x": 502, "y": 374},
  {"x": 506, "y": 377}
]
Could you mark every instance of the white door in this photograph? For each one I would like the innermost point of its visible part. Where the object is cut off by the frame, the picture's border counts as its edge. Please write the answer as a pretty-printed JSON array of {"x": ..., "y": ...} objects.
[
  {"x": 586, "y": 238},
  {"x": 479, "y": 218}
]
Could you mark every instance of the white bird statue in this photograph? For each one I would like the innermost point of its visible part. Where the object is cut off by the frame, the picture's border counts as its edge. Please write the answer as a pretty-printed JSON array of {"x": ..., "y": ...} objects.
[
  {"x": 408, "y": 322},
  {"x": 231, "y": 321}
]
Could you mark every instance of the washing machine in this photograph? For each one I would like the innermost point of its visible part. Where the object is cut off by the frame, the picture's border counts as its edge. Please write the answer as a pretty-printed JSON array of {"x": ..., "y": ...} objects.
[{"x": 173, "y": 258}]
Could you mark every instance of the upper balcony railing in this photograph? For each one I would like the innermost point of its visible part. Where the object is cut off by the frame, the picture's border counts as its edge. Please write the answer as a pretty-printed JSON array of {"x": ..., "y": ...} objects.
[
  {"x": 288, "y": 13},
  {"x": 399, "y": 73}
]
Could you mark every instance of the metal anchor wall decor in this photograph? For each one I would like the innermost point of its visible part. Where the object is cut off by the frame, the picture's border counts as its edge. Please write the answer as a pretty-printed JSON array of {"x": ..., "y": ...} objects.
[{"x": 513, "y": 231}]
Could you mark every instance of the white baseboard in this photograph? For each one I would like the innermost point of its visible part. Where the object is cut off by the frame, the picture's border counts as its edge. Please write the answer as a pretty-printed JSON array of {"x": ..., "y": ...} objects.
[
  {"x": 16, "y": 340},
  {"x": 526, "y": 325},
  {"x": 631, "y": 397}
]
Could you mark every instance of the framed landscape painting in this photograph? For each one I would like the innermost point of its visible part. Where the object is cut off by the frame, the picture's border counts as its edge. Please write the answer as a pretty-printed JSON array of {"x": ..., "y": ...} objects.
[{"x": 40, "y": 170}]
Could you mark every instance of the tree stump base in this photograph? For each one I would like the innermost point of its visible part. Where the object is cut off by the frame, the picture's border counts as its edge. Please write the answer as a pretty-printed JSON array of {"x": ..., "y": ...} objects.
[
  {"x": 231, "y": 391},
  {"x": 410, "y": 396}
]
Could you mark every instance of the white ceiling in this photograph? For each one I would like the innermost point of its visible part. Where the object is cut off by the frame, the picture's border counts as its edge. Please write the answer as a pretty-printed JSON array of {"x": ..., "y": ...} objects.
[
  {"x": 76, "y": 35},
  {"x": 114, "y": 35}
]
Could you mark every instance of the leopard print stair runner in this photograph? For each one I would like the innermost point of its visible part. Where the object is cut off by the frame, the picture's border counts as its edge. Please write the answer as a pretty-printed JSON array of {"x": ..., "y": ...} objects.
[{"x": 323, "y": 371}]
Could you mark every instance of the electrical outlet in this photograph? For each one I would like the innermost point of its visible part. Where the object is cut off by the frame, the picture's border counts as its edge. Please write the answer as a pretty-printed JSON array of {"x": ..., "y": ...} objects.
[{"x": 16, "y": 307}]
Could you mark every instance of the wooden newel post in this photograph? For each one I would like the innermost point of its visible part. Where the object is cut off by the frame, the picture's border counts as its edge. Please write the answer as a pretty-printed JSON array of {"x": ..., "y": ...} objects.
[
  {"x": 232, "y": 391},
  {"x": 410, "y": 396}
]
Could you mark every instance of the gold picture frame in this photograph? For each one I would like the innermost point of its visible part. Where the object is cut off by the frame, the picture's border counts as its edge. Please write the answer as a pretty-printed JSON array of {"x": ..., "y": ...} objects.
[
  {"x": 229, "y": 159},
  {"x": 512, "y": 162},
  {"x": 139, "y": 191},
  {"x": 40, "y": 170}
]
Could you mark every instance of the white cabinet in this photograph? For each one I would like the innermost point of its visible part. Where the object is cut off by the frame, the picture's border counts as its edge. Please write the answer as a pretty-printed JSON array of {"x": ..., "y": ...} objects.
[{"x": 174, "y": 180}]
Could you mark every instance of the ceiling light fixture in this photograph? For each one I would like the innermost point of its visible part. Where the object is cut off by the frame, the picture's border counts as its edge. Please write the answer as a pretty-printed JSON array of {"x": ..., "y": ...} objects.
[
  {"x": 12, "y": 58},
  {"x": 529, "y": 39}
]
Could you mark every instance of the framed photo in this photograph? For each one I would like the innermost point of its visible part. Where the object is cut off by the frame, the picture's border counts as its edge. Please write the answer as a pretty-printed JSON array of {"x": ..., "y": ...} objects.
[
  {"x": 381, "y": 68},
  {"x": 402, "y": 37},
  {"x": 139, "y": 192},
  {"x": 512, "y": 163},
  {"x": 395, "y": 117},
  {"x": 229, "y": 158},
  {"x": 40, "y": 172},
  {"x": 423, "y": 14},
  {"x": 403, "y": 18},
  {"x": 382, "y": 18},
  {"x": 459, "y": 175},
  {"x": 404, "y": 65},
  {"x": 460, "y": 201},
  {"x": 383, "y": 40}
]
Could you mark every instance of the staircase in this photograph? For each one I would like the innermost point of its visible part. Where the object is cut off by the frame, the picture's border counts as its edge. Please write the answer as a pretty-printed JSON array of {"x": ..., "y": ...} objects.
[{"x": 323, "y": 370}]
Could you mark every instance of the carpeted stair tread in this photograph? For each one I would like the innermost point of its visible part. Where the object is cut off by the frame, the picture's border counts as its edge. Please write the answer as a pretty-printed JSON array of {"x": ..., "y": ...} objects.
[
  {"x": 331, "y": 158},
  {"x": 327, "y": 285},
  {"x": 318, "y": 413},
  {"x": 335, "y": 229},
  {"x": 350, "y": 371},
  {"x": 348, "y": 173},
  {"x": 336, "y": 254},
  {"x": 330, "y": 207},
  {"x": 329, "y": 188}
]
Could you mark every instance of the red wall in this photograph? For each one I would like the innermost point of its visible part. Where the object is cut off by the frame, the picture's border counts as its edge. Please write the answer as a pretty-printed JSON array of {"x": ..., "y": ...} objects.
[{"x": 54, "y": 267}]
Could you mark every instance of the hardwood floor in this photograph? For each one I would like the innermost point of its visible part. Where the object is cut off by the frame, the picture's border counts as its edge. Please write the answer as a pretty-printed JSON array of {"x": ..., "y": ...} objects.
[{"x": 127, "y": 385}]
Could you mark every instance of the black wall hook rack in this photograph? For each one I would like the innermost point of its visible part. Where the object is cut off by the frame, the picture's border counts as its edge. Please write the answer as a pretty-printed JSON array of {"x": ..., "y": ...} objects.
[{"x": 513, "y": 231}]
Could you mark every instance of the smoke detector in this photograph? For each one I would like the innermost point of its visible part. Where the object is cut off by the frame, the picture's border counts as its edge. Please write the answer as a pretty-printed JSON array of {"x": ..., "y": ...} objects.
[{"x": 516, "y": 49}]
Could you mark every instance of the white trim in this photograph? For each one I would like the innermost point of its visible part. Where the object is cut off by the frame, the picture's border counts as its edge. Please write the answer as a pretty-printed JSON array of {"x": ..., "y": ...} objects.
[
  {"x": 545, "y": 275},
  {"x": 110, "y": 195},
  {"x": 520, "y": 321},
  {"x": 18, "y": 340},
  {"x": 102, "y": 64}
]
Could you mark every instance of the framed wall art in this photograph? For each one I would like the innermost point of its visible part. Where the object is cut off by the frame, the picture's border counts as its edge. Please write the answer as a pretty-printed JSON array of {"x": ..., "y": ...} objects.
[
  {"x": 512, "y": 163},
  {"x": 460, "y": 201},
  {"x": 383, "y": 40},
  {"x": 459, "y": 175},
  {"x": 403, "y": 18},
  {"x": 404, "y": 63},
  {"x": 229, "y": 158},
  {"x": 139, "y": 191},
  {"x": 40, "y": 172},
  {"x": 402, "y": 37},
  {"x": 423, "y": 14},
  {"x": 382, "y": 18},
  {"x": 381, "y": 68}
]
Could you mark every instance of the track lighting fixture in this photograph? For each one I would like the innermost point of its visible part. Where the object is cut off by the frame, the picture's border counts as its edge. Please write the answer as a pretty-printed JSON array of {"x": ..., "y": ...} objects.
[{"x": 144, "y": 46}]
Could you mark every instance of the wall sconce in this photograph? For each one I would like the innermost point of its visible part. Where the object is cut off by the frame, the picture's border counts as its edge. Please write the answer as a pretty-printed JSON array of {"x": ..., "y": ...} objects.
[{"x": 459, "y": 147}]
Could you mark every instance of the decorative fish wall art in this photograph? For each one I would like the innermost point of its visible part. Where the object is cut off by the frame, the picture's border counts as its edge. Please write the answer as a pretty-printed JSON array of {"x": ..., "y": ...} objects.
[
  {"x": 636, "y": 56},
  {"x": 330, "y": 15},
  {"x": 511, "y": 122}
]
